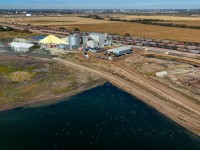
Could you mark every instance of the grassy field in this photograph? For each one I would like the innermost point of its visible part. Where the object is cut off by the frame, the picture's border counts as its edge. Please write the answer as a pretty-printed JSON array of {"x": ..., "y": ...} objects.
[{"x": 23, "y": 79}]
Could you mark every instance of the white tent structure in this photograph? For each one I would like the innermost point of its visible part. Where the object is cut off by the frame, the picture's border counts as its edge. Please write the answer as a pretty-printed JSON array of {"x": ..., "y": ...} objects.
[{"x": 21, "y": 47}]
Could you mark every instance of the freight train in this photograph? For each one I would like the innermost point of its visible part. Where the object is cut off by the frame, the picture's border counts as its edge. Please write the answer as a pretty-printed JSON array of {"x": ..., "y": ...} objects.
[{"x": 167, "y": 44}]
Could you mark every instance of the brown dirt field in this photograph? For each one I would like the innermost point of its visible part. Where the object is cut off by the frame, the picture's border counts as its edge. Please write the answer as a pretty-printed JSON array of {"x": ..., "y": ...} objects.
[
  {"x": 149, "y": 67},
  {"x": 141, "y": 30}
]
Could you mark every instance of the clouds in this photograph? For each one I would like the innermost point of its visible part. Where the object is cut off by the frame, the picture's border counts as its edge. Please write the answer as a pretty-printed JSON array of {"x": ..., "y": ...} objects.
[{"x": 81, "y": 4}]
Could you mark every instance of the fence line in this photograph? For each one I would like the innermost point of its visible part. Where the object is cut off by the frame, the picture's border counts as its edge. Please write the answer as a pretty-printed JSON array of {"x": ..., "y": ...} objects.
[{"x": 7, "y": 50}]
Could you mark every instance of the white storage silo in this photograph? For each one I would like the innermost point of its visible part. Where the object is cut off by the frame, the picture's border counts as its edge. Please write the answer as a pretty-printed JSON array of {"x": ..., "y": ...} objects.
[{"x": 74, "y": 41}]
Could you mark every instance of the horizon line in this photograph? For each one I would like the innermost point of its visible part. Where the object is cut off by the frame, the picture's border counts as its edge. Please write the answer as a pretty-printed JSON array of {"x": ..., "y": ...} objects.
[{"x": 104, "y": 8}]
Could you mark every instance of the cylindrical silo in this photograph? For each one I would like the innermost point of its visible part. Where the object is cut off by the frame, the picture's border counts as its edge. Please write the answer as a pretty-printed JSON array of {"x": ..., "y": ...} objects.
[{"x": 74, "y": 41}]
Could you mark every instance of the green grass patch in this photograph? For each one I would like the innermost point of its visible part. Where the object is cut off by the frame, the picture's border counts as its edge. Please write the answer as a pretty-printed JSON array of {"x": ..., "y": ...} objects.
[
  {"x": 9, "y": 69},
  {"x": 61, "y": 90},
  {"x": 151, "y": 74}
]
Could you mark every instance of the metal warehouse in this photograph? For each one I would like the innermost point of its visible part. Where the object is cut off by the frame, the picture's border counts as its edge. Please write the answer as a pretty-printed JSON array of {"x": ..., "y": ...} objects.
[{"x": 120, "y": 50}]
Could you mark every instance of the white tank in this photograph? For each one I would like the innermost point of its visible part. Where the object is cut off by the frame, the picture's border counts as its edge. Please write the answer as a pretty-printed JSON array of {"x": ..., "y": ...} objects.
[{"x": 74, "y": 40}]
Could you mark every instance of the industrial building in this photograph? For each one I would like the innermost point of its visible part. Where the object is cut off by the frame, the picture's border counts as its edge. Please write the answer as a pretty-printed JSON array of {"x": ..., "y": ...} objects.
[
  {"x": 92, "y": 44},
  {"x": 21, "y": 47},
  {"x": 98, "y": 37},
  {"x": 120, "y": 50},
  {"x": 97, "y": 40},
  {"x": 71, "y": 42}
]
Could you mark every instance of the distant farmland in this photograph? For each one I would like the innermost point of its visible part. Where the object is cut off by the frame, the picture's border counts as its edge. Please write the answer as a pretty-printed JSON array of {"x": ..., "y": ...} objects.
[
  {"x": 135, "y": 29},
  {"x": 141, "y": 30},
  {"x": 52, "y": 21},
  {"x": 160, "y": 17}
]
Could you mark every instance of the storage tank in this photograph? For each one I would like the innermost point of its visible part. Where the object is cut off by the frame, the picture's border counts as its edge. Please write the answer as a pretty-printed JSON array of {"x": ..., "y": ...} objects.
[{"x": 74, "y": 41}]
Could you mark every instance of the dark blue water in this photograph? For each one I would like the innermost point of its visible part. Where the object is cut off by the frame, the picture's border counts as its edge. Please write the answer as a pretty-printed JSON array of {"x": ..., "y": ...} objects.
[{"x": 102, "y": 118}]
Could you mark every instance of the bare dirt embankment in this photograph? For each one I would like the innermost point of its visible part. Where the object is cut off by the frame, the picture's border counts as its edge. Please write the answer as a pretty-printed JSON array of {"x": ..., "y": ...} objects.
[{"x": 169, "y": 102}]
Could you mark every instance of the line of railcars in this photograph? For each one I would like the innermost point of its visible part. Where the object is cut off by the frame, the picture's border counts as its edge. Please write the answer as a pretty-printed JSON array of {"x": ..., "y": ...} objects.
[{"x": 167, "y": 44}]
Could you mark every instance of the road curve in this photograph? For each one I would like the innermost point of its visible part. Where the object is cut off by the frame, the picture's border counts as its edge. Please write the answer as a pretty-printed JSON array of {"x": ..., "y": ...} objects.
[{"x": 190, "y": 120}]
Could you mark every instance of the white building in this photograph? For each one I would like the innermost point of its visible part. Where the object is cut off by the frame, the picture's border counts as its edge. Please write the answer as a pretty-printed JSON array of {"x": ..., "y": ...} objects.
[
  {"x": 92, "y": 44},
  {"x": 28, "y": 15},
  {"x": 100, "y": 38},
  {"x": 120, "y": 50},
  {"x": 21, "y": 47},
  {"x": 97, "y": 40}
]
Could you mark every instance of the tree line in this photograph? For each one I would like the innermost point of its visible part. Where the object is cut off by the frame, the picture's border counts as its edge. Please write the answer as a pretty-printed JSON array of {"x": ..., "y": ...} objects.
[
  {"x": 93, "y": 17},
  {"x": 157, "y": 22},
  {"x": 3, "y": 29}
]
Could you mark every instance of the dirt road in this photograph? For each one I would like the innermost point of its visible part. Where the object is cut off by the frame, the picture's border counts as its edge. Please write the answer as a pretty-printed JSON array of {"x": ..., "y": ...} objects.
[{"x": 189, "y": 117}]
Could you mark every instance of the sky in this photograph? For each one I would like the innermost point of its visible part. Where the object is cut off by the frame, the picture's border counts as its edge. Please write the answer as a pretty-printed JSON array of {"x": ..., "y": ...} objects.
[{"x": 99, "y": 4}]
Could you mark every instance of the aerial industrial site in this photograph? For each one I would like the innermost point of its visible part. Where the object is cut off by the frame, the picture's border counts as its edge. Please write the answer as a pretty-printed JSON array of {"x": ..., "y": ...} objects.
[{"x": 154, "y": 55}]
